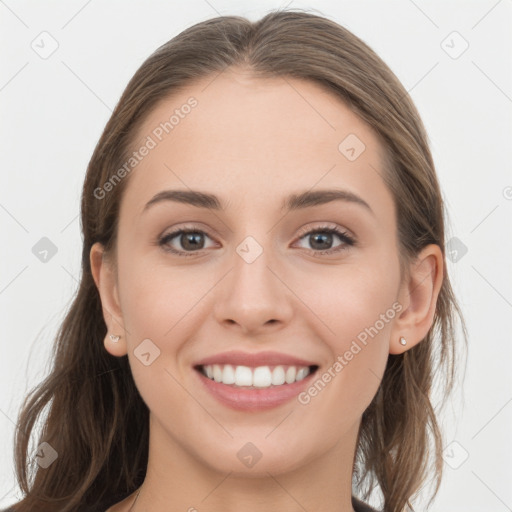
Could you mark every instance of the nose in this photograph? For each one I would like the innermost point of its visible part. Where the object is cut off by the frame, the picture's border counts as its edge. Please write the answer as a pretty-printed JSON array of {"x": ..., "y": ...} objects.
[{"x": 253, "y": 297}]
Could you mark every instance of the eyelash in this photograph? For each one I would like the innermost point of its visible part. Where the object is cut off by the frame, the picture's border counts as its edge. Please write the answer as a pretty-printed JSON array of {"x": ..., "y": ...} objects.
[{"x": 344, "y": 236}]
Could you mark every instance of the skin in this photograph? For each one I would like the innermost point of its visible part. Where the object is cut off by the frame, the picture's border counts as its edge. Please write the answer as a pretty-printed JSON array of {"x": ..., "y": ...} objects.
[{"x": 252, "y": 142}]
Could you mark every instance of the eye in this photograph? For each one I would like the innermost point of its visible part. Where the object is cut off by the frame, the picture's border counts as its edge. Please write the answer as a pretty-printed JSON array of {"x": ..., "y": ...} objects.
[
  {"x": 322, "y": 236},
  {"x": 192, "y": 240}
]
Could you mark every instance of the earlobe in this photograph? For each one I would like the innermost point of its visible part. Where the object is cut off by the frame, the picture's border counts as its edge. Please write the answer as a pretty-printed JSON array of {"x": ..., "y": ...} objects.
[
  {"x": 419, "y": 295},
  {"x": 106, "y": 283}
]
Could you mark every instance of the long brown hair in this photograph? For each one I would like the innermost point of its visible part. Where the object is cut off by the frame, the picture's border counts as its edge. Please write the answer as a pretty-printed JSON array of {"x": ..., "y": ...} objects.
[{"x": 96, "y": 420}]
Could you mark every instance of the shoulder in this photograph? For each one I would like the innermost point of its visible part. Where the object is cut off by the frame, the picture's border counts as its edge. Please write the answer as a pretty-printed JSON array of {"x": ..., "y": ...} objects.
[
  {"x": 360, "y": 506},
  {"x": 87, "y": 509}
]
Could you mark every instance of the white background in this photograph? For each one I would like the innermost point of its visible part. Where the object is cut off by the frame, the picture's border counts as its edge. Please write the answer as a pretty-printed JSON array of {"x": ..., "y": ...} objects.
[{"x": 53, "y": 111}]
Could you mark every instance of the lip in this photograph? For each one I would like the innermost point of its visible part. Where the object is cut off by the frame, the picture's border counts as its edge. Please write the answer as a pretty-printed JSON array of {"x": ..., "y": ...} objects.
[
  {"x": 255, "y": 400},
  {"x": 253, "y": 360}
]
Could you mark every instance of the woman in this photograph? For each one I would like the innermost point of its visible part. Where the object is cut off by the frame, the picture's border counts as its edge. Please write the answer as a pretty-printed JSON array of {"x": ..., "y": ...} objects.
[{"x": 264, "y": 298}]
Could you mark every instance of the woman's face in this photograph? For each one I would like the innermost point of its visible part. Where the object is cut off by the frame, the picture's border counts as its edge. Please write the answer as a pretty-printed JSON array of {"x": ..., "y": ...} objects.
[{"x": 257, "y": 276}]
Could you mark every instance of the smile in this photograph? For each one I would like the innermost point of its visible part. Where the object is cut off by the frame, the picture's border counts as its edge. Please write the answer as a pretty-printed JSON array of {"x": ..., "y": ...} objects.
[
  {"x": 258, "y": 377},
  {"x": 252, "y": 389}
]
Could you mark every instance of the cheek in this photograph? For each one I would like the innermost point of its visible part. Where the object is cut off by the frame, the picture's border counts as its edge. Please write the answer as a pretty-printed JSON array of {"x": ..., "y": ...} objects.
[
  {"x": 357, "y": 310},
  {"x": 164, "y": 305},
  {"x": 155, "y": 301},
  {"x": 350, "y": 299},
  {"x": 155, "y": 297}
]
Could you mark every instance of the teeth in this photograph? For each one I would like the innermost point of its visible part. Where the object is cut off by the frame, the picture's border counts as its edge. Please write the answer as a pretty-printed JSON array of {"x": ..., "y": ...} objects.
[
  {"x": 228, "y": 375},
  {"x": 262, "y": 377},
  {"x": 209, "y": 372},
  {"x": 243, "y": 376},
  {"x": 278, "y": 376},
  {"x": 302, "y": 373},
  {"x": 259, "y": 377},
  {"x": 291, "y": 374}
]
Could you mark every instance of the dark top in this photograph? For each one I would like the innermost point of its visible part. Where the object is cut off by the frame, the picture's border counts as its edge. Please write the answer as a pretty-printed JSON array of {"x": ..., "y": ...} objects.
[{"x": 358, "y": 505}]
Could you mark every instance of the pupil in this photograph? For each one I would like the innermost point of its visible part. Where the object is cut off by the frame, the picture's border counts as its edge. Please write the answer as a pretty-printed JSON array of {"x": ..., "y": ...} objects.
[
  {"x": 190, "y": 240},
  {"x": 326, "y": 238}
]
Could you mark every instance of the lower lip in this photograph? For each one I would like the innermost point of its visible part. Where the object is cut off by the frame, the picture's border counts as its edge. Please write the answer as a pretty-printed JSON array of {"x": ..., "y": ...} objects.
[{"x": 254, "y": 399}]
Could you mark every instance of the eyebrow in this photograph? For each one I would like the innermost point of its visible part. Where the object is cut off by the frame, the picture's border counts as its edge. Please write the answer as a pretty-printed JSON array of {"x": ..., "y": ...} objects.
[{"x": 293, "y": 202}]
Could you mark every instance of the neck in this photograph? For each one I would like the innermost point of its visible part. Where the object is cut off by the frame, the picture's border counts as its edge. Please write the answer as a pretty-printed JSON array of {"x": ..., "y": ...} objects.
[{"x": 177, "y": 481}]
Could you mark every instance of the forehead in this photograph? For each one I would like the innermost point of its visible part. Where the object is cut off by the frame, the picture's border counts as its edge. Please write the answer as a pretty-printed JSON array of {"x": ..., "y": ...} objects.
[{"x": 253, "y": 137}]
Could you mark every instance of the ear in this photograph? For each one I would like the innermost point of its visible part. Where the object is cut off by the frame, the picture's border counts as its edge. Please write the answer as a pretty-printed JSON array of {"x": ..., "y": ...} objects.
[
  {"x": 105, "y": 278},
  {"x": 418, "y": 296}
]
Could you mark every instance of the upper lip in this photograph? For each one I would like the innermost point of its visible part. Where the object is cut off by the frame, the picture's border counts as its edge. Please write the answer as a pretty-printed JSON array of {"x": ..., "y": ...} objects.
[{"x": 237, "y": 358}]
